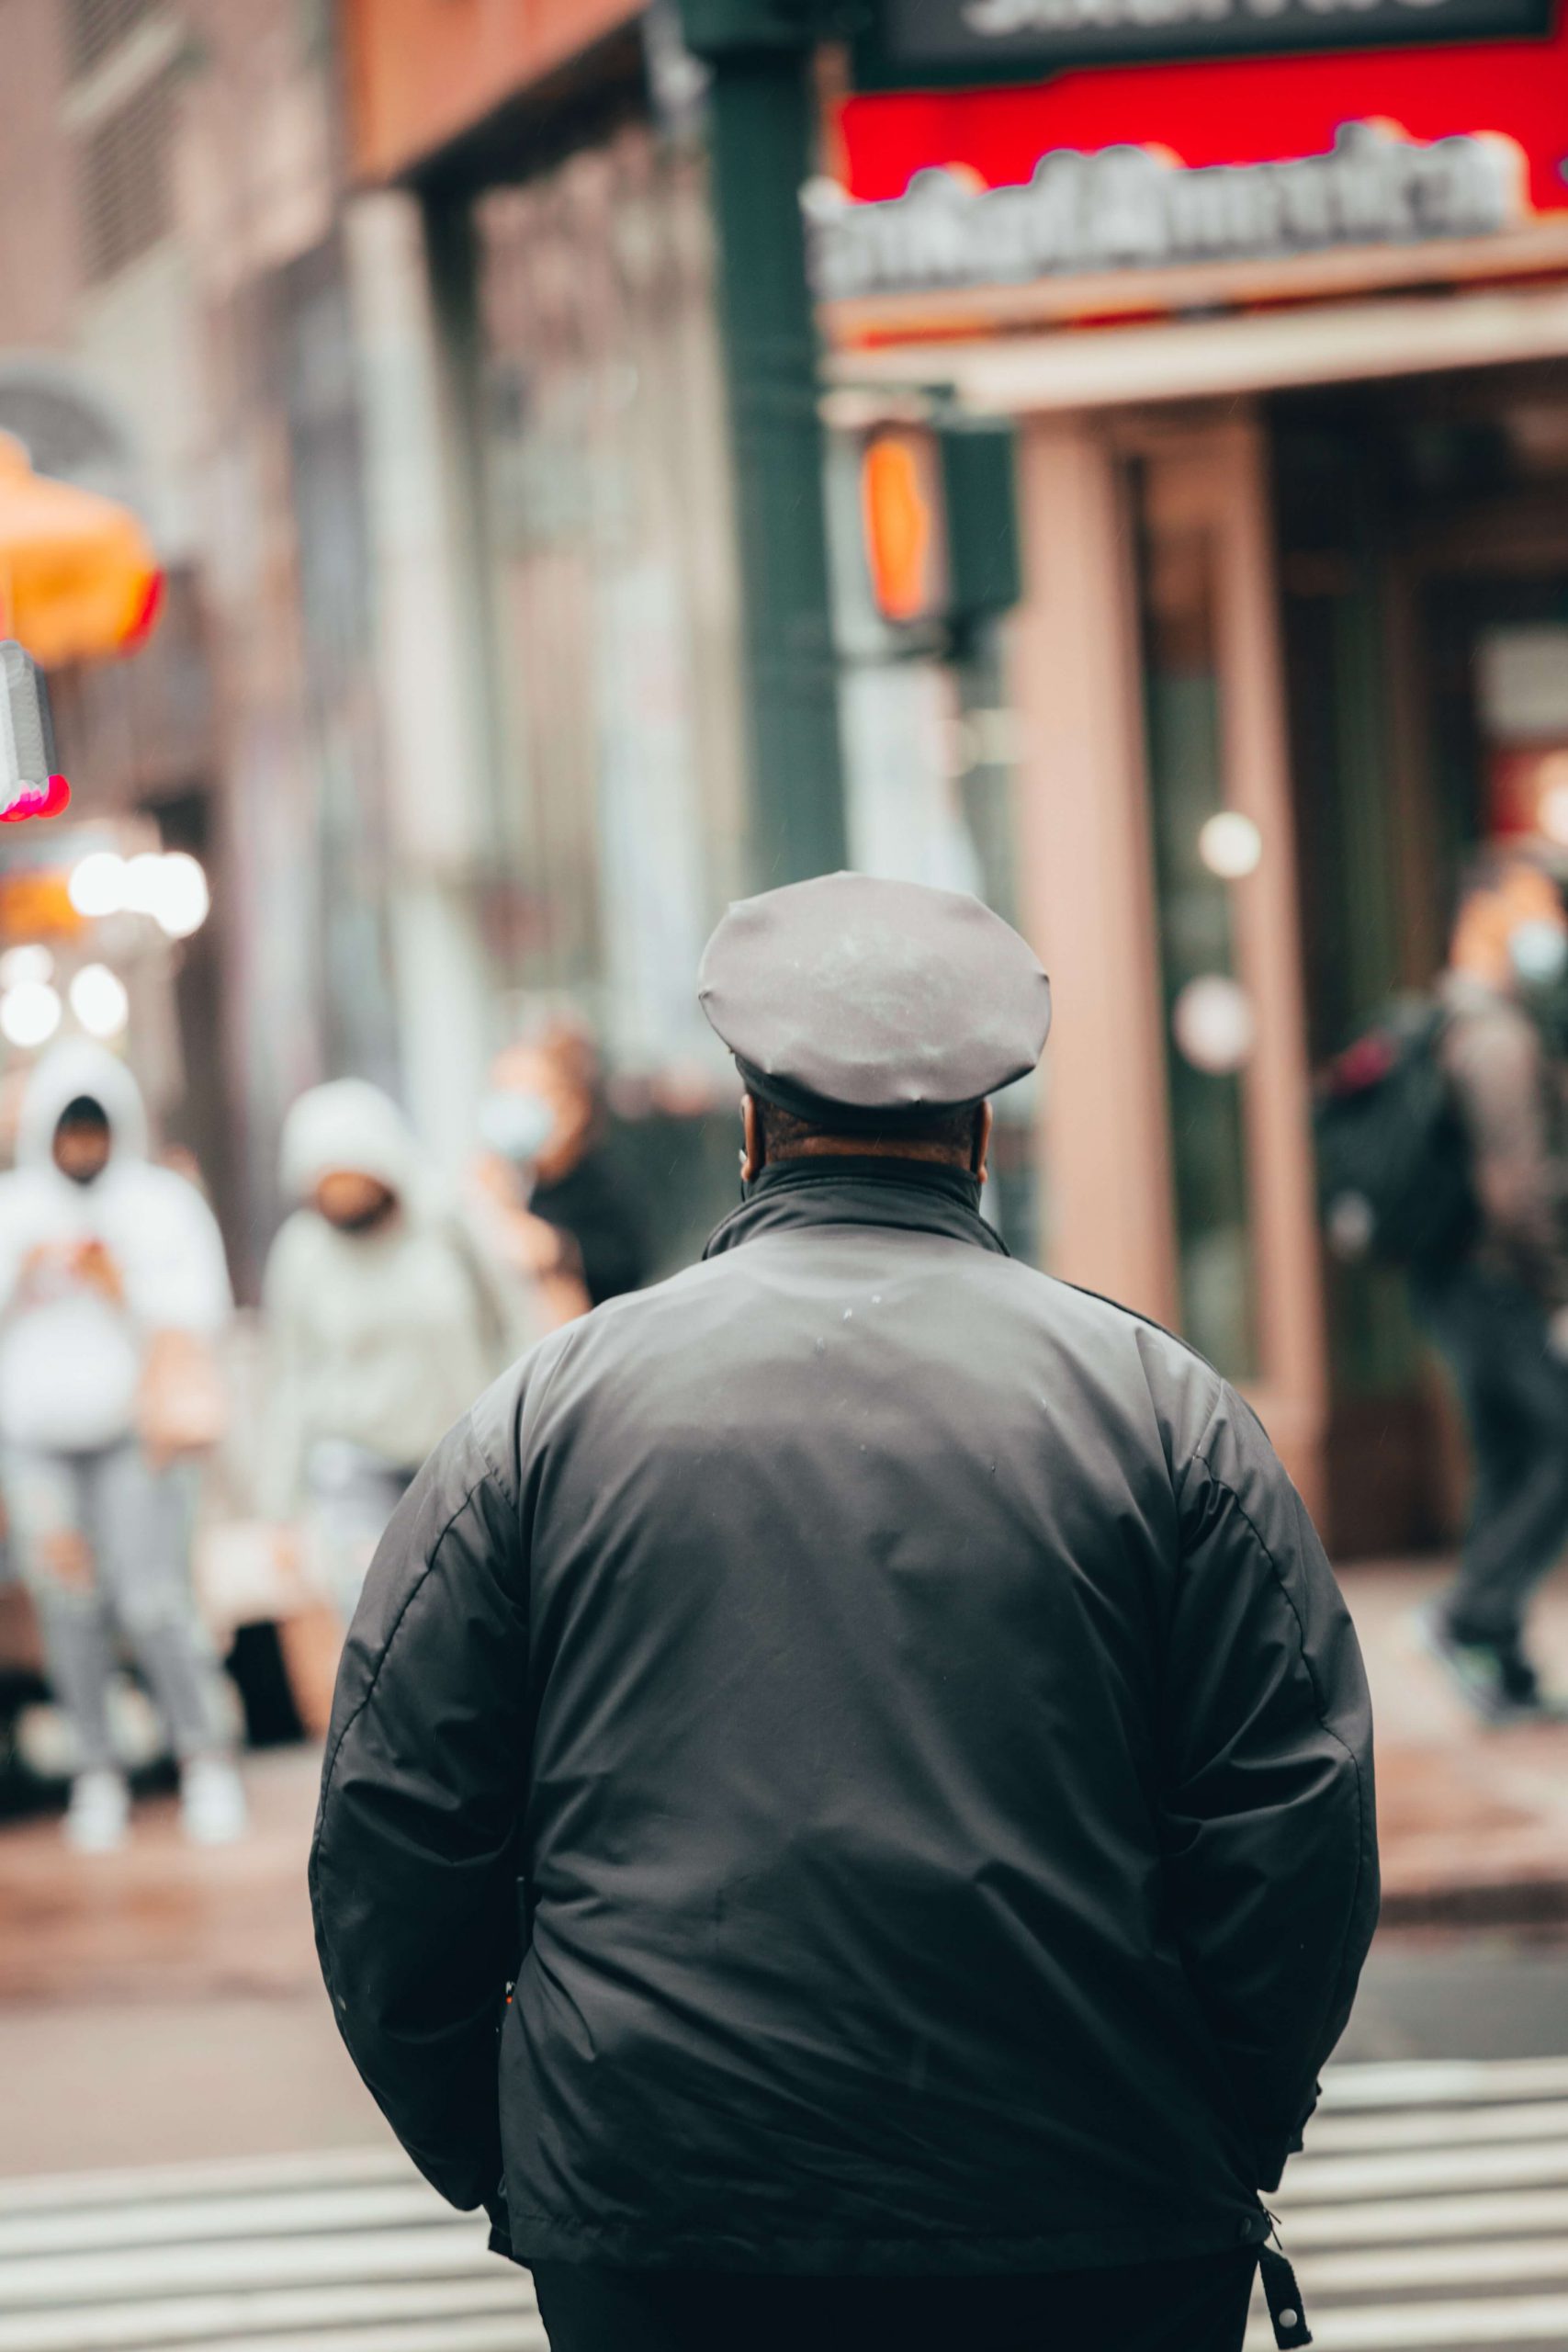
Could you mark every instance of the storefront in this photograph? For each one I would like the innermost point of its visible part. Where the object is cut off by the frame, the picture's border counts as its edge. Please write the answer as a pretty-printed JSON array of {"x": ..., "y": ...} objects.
[{"x": 1279, "y": 318}]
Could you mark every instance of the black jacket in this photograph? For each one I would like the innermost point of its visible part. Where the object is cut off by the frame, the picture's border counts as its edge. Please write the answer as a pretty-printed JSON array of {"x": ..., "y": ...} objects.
[
  {"x": 595, "y": 1207},
  {"x": 893, "y": 1716}
]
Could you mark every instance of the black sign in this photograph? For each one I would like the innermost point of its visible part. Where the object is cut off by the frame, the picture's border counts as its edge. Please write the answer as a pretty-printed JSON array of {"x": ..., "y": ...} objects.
[{"x": 911, "y": 42}]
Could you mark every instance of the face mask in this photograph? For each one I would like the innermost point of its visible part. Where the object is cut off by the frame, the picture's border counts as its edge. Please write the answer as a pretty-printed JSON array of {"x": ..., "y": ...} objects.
[
  {"x": 1538, "y": 953},
  {"x": 515, "y": 1125}
]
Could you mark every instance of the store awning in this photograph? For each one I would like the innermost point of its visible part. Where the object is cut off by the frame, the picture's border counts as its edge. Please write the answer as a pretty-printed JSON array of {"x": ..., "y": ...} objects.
[
  {"x": 78, "y": 578},
  {"x": 1078, "y": 367}
]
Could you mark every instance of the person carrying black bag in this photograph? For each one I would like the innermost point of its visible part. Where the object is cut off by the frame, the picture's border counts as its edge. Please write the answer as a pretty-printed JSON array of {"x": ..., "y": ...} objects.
[
  {"x": 1496, "y": 1301},
  {"x": 873, "y": 1728}
]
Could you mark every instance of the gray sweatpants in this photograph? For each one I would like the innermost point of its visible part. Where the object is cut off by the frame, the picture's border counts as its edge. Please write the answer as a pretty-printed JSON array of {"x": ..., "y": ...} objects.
[{"x": 136, "y": 1522}]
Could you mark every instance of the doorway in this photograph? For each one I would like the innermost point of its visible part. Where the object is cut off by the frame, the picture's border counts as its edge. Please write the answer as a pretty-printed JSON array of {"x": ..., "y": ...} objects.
[{"x": 1423, "y": 574}]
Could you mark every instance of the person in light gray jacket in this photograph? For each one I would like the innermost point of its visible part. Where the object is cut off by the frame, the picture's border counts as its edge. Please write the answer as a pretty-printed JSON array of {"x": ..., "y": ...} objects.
[{"x": 386, "y": 1315}]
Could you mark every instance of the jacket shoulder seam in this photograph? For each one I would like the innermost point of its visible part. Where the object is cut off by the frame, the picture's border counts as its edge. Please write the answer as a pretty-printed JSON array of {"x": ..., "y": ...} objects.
[{"x": 1221, "y": 1386}]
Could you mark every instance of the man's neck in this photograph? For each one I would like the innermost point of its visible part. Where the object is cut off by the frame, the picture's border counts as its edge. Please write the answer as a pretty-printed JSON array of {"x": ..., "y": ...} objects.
[{"x": 929, "y": 1155}]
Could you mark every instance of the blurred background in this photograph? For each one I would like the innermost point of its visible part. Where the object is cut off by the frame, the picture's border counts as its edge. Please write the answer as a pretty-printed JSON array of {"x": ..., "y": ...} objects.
[{"x": 489, "y": 481}]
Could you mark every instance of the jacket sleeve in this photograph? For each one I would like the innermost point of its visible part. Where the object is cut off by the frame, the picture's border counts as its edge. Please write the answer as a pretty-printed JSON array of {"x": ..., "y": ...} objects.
[
  {"x": 1269, "y": 1828},
  {"x": 412, "y": 1877}
]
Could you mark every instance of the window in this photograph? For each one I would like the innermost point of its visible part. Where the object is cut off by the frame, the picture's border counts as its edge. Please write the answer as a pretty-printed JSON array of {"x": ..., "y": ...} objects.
[
  {"x": 125, "y": 180},
  {"x": 99, "y": 26}
]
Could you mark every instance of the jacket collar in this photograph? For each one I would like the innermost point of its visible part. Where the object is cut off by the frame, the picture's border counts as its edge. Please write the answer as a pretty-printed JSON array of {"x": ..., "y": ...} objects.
[{"x": 859, "y": 1189}]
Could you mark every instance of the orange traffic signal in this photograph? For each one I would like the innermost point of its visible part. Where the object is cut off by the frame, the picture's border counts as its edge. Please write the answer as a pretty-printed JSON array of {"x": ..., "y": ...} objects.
[
  {"x": 78, "y": 577},
  {"x": 900, "y": 512}
]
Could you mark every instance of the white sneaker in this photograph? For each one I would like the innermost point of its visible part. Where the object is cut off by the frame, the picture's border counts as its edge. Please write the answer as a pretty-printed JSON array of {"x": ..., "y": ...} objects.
[
  {"x": 212, "y": 1801},
  {"x": 98, "y": 1813}
]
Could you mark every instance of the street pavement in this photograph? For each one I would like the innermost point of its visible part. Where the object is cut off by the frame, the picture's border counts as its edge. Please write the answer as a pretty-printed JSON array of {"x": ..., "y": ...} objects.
[
  {"x": 1473, "y": 1821},
  {"x": 1431, "y": 2211}
]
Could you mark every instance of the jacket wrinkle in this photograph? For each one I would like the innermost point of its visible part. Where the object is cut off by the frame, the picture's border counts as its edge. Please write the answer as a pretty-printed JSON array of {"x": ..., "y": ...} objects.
[{"x": 1330, "y": 1729}]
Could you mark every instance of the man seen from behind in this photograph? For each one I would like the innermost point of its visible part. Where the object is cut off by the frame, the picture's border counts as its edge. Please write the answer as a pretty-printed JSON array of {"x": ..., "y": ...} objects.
[{"x": 889, "y": 1713}]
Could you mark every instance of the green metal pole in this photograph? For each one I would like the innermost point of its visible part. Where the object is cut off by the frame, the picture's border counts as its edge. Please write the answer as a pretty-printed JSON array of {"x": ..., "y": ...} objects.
[{"x": 759, "y": 130}]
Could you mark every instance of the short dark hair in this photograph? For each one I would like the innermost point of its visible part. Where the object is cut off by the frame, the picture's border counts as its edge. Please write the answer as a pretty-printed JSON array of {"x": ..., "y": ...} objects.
[
  {"x": 786, "y": 1136},
  {"x": 83, "y": 1110}
]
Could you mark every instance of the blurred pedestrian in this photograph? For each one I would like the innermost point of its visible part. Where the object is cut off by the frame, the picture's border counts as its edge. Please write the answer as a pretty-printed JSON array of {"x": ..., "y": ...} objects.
[
  {"x": 891, "y": 1716},
  {"x": 570, "y": 1219},
  {"x": 386, "y": 1317},
  {"x": 1497, "y": 1305},
  {"x": 112, "y": 1294}
]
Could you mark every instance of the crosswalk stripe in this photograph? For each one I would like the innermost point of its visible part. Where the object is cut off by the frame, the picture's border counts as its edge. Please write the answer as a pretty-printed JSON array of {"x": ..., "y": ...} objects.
[
  {"x": 1496, "y": 2262},
  {"x": 1344, "y": 2133},
  {"x": 396, "y": 2205},
  {"x": 500, "y": 2334},
  {"x": 1441, "y": 2082},
  {"x": 258, "y": 2262},
  {"x": 223, "y": 2175},
  {"x": 1491, "y": 2214},
  {"x": 1316, "y": 2179},
  {"x": 203, "y": 2320}
]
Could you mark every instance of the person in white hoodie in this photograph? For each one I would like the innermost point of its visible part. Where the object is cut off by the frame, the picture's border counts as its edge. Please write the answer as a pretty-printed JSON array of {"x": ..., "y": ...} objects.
[
  {"x": 101, "y": 1254},
  {"x": 387, "y": 1316}
]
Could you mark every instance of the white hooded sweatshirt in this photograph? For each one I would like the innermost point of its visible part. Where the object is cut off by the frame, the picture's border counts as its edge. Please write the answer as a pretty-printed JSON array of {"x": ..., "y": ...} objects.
[
  {"x": 381, "y": 1339},
  {"x": 71, "y": 1359}
]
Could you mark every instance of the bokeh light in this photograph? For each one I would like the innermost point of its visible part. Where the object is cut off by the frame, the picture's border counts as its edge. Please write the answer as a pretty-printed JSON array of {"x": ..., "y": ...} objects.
[
  {"x": 1214, "y": 1025},
  {"x": 29, "y": 961},
  {"x": 98, "y": 999},
  {"x": 181, "y": 899},
  {"x": 96, "y": 886},
  {"x": 1230, "y": 845},
  {"x": 29, "y": 1014}
]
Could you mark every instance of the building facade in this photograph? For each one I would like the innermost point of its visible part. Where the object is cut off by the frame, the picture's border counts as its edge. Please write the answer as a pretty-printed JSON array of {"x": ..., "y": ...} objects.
[
  {"x": 178, "y": 330},
  {"x": 1278, "y": 302}
]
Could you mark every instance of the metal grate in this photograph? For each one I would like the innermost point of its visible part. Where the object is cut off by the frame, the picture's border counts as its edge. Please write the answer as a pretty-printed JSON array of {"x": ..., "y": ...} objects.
[
  {"x": 125, "y": 180},
  {"x": 98, "y": 26}
]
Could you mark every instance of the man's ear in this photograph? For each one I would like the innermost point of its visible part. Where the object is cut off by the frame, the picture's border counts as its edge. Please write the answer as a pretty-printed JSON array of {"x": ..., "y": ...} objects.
[
  {"x": 982, "y": 1141},
  {"x": 754, "y": 1152}
]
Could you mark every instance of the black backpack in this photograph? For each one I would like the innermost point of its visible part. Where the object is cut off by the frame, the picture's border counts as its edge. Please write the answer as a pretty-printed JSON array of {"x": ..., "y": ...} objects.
[{"x": 1393, "y": 1156}]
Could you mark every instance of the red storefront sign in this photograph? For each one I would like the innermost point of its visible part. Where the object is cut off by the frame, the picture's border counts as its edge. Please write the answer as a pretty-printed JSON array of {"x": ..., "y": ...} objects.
[
  {"x": 1244, "y": 178},
  {"x": 1235, "y": 110}
]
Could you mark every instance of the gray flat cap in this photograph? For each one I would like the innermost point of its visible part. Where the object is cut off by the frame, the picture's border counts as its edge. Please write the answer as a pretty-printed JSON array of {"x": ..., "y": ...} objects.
[{"x": 872, "y": 998}]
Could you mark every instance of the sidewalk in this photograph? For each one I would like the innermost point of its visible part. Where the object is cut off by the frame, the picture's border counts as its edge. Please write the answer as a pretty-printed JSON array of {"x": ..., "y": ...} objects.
[
  {"x": 1473, "y": 1824},
  {"x": 163, "y": 2004}
]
